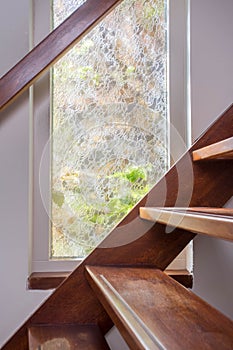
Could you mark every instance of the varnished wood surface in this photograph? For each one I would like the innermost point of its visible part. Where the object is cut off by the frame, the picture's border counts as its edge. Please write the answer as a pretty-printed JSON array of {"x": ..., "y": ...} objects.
[
  {"x": 51, "y": 280},
  {"x": 220, "y": 150},
  {"x": 46, "y": 280},
  {"x": 152, "y": 311},
  {"x": 201, "y": 210},
  {"x": 54, "y": 46},
  {"x": 219, "y": 226},
  {"x": 73, "y": 301},
  {"x": 66, "y": 337}
]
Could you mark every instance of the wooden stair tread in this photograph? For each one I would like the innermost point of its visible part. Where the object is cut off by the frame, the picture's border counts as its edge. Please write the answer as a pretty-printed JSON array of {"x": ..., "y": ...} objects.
[
  {"x": 51, "y": 280},
  {"x": 216, "y": 222},
  {"x": 138, "y": 242},
  {"x": 219, "y": 150},
  {"x": 66, "y": 337},
  {"x": 152, "y": 311}
]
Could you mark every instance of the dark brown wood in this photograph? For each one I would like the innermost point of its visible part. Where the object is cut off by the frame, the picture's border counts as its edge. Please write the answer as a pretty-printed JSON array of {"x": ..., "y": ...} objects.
[
  {"x": 53, "y": 47},
  {"x": 51, "y": 280},
  {"x": 46, "y": 280},
  {"x": 138, "y": 242},
  {"x": 66, "y": 337},
  {"x": 220, "y": 150},
  {"x": 184, "y": 277},
  {"x": 152, "y": 311},
  {"x": 219, "y": 226}
]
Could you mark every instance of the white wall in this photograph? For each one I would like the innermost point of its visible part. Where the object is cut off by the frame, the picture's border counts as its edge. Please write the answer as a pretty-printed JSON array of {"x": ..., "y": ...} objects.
[
  {"x": 212, "y": 93},
  {"x": 15, "y": 301}
]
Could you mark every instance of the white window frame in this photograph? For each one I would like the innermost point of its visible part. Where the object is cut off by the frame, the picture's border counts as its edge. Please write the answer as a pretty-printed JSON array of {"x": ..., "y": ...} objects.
[{"x": 179, "y": 102}]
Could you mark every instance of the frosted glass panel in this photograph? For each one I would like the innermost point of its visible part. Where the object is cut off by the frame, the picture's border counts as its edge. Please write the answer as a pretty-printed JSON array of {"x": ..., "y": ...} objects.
[
  {"x": 63, "y": 9},
  {"x": 109, "y": 124}
]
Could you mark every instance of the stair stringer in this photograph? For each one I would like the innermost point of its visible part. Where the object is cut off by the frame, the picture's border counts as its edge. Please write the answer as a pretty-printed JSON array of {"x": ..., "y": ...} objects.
[{"x": 74, "y": 301}]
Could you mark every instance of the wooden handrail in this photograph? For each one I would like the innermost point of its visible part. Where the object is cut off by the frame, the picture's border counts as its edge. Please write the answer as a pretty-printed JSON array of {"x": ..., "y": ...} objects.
[{"x": 55, "y": 45}]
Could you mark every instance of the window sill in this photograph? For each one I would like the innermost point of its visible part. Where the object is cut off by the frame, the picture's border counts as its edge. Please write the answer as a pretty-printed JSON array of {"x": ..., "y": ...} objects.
[
  {"x": 46, "y": 280},
  {"x": 51, "y": 280}
]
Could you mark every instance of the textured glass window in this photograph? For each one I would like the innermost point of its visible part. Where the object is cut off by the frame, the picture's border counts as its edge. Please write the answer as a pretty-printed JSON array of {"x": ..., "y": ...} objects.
[{"x": 109, "y": 104}]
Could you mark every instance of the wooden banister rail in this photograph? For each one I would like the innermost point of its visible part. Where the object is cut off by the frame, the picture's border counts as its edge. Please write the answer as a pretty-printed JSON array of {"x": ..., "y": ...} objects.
[{"x": 55, "y": 45}]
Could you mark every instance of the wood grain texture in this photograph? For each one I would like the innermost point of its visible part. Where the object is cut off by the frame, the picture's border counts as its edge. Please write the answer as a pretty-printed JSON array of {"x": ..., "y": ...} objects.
[
  {"x": 139, "y": 242},
  {"x": 51, "y": 280},
  {"x": 46, "y": 280},
  {"x": 220, "y": 150},
  {"x": 218, "y": 226},
  {"x": 152, "y": 311},
  {"x": 53, "y": 47},
  {"x": 66, "y": 337}
]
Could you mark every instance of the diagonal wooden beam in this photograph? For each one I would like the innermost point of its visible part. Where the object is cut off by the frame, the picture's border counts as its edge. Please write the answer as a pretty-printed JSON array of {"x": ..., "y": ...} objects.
[{"x": 53, "y": 47}]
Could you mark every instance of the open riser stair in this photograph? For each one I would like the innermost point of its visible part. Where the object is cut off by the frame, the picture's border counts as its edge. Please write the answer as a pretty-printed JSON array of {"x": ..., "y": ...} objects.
[
  {"x": 219, "y": 150},
  {"x": 209, "y": 223},
  {"x": 128, "y": 287},
  {"x": 152, "y": 311},
  {"x": 216, "y": 222}
]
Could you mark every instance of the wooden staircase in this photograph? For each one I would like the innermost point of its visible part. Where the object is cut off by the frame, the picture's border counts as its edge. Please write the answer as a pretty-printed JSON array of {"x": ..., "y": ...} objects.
[
  {"x": 125, "y": 285},
  {"x": 122, "y": 281},
  {"x": 215, "y": 222}
]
